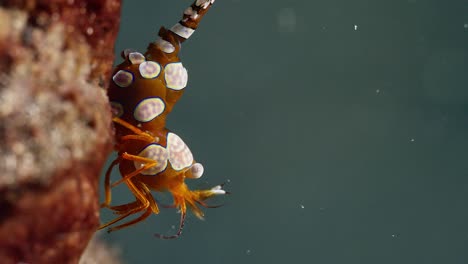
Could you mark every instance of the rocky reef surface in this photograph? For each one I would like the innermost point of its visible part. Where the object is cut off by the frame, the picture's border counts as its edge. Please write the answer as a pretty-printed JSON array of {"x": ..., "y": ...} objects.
[{"x": 55, "y": 125}]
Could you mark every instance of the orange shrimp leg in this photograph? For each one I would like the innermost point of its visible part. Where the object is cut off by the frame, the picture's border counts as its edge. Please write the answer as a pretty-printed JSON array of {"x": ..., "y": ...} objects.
[
  {"x": 142, "y": 217},
  {"x": 133, "y": 208},
  {"x": 149, "y": 164},
  {"x": 179, "y": 232},
  {"x": 120, "y": 218},
  {"x": 139, "y": 134},
  {"x": 107, "y": 185},
  {"x": 122, "y": 209},
  {"x": 147, "y": 203}
]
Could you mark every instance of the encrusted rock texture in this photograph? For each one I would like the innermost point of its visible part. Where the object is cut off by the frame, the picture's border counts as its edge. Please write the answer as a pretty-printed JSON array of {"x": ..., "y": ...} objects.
[
  {"x": 55, "y": 124},
  {"x": 98, "y": 252}
]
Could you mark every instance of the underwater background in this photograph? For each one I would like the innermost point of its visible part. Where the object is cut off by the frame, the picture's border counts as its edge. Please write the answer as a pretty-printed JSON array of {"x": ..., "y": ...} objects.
[{"x": 339, "y": 126}]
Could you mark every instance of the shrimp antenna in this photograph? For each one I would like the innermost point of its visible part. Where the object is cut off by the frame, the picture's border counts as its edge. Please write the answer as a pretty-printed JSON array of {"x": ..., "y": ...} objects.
[
  {"x": 207, "y": 205},
  {"x": 179, "y": 232}
]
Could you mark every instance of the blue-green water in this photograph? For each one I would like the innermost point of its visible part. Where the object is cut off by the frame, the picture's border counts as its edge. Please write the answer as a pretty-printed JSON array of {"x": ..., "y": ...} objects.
[{"x": 341, "y": 125}]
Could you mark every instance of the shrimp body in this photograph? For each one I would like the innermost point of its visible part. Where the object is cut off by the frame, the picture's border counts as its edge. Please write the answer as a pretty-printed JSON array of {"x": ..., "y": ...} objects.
[{"x": 144, "y": 89}]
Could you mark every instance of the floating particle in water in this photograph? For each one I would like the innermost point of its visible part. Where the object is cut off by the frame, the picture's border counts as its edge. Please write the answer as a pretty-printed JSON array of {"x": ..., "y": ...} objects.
[
  {"x": 394, "y": 235},
  {"x": 287, "y": 20},
  {"x": 302, "y": 206},
  {"x": 355, "y": 27},
  {"x": 377, "y": 91},
  {"x": 465, "y": 25},
  {"x": 248, "y": 252},
  {"x": 412, "y": 140}
]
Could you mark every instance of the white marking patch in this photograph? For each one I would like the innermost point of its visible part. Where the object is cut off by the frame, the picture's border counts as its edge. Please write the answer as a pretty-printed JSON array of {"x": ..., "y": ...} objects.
[
  {"x": 218, "y": 190},
  {"x": 176, "y": 76},
  {"x": 125, "y": 53},
  {"x": 180, "y": 155},
  {"x": 148, "y": 109},
  {"x": 116, "y": 109},
  {"x": 182, "y": 30},
  {"x": 149, "y": 69},
  {"x": 165, "y": 45},
  {"x": 123, "y": 78},
  {"x": 204, "y": 3},
  {"x": 156, "y": 153},
  {"x": 191, "y": 13},
  {"x": 195, "y": 172},
  {"x": 136, "y": 57}
]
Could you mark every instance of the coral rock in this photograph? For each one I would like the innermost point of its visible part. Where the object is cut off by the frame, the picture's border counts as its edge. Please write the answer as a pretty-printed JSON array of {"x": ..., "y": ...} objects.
[{"x": 55, "y": 124}]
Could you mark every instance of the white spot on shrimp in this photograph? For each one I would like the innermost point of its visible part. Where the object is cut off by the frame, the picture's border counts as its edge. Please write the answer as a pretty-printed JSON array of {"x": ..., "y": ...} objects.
[
  {"x": 180, "y": 155},
  {"x": 156, "y": 153},
  {"x": 218, "y": 190},
  {"x": 195, "y": 172},
  {"x": 165, "y": 45},
  {"x": 136, "y": 57},
  {"x": 176, "y": 76},
  {"x": 123, "y": 78},
  {"x": 182, "y": 31},
  {"x": 125, "y": 53},
  {"x": 191, "y": 13},
  {"x": 149, "y": 69},
  {"x": 149, "y": 109},
  {"x": 204, "y": 3}
]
